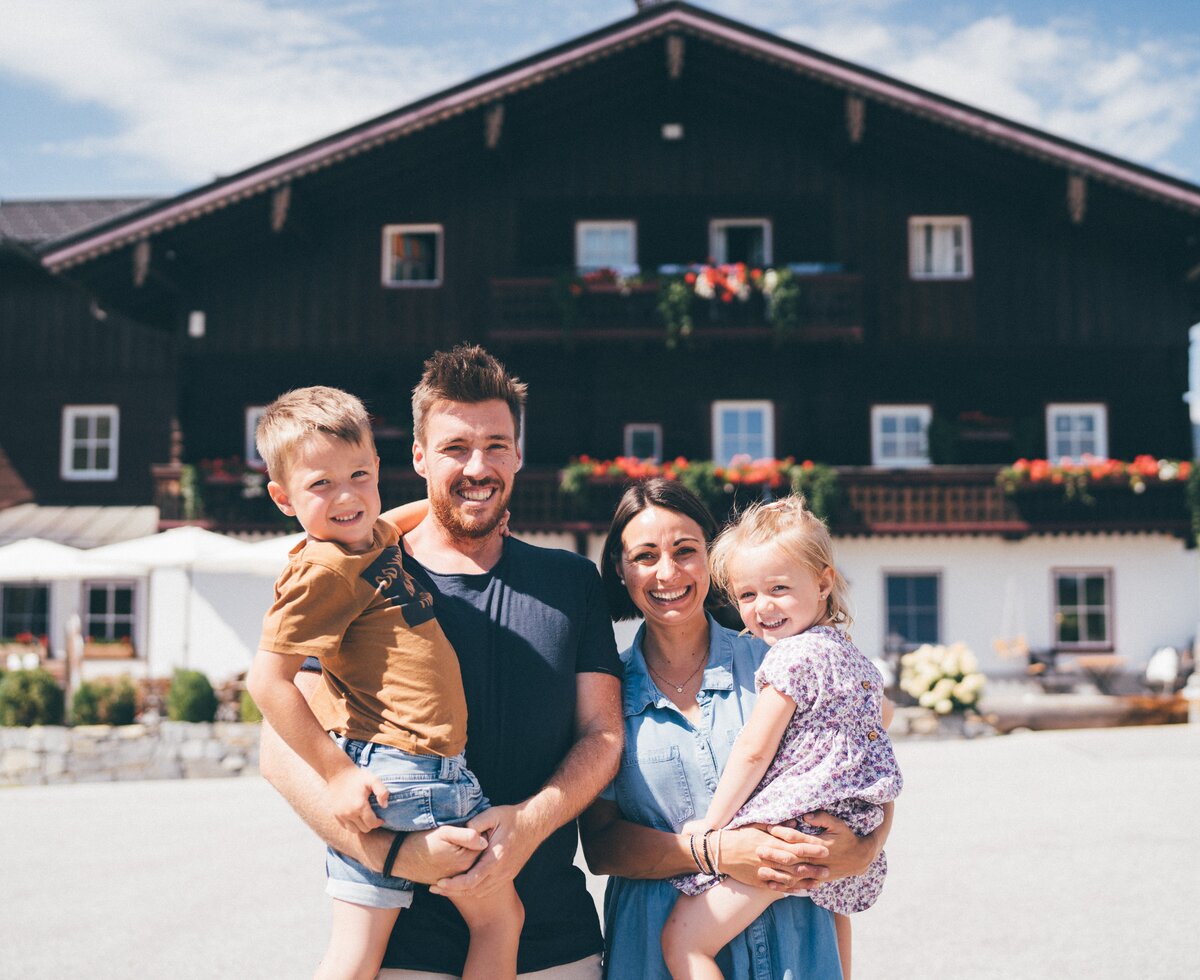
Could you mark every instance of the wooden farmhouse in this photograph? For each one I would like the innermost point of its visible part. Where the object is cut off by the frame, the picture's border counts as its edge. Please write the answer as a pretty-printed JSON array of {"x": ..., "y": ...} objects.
[{"x": 959, "y": 291}]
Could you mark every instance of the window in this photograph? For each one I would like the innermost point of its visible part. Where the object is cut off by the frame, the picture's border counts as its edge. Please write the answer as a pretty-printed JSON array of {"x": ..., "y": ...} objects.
[
  {"x": 740, "y": 240},
  {"x": 1082, "y": 609},
  {"x": 1073, "y": 431},
  {"x": 412, "y": 255},
  {"x": 109, "y": 610},
  {"x": 742, "y": 429},
  {"x": 253, "y": 414},
  {"x": 643, "y": 440},
  {"x": 89, "y": 442},
  {"x": 939, "y": 248},
  {"x": 24, "y": 609},
  {"x": 913, "y": 612},
  {"x": 606, "y": 245},
  {"x": 900, "y": 435}
]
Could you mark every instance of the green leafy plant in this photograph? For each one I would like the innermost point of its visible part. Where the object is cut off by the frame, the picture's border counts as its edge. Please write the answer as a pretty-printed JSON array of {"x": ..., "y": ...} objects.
[
  {"x": 248, "y": 711},
  {"x": 30, "y": 697},
  {"x": 675, "y": 310},
  {"x": 191, "y": 697},
  {"x": 104, "y": 702}
]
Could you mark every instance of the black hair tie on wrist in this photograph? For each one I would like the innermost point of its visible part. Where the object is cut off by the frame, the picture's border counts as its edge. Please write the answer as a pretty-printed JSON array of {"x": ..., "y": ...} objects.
[{"x": 388, "y": 861}]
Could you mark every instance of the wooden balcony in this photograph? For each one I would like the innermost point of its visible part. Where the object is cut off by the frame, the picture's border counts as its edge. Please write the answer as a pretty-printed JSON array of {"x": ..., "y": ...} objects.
[
  {"x": 542, "y": 308},
  {"x": 938, "y": 500}
]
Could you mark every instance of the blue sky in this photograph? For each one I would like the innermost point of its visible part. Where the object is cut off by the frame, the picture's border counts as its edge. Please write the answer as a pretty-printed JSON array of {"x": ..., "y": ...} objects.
[{"x": 128, "y": 97}]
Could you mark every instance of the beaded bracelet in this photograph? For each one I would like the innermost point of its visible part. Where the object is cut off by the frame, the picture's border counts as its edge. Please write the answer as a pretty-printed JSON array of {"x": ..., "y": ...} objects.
[
  {"x": 695, "y": 856},
  {"x": 707, "y": 857}
]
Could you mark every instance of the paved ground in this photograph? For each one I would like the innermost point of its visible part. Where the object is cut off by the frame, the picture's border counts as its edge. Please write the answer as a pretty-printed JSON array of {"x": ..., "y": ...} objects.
[{"x": 1030, "y": 856}]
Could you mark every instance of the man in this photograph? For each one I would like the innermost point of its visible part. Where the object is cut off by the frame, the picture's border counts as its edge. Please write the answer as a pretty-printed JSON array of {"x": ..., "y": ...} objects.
[{"x": 542, "y": 682}]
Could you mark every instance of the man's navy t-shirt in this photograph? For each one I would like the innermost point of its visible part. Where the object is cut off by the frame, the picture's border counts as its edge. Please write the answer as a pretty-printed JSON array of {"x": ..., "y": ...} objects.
[{"x": 522, "y": 632}]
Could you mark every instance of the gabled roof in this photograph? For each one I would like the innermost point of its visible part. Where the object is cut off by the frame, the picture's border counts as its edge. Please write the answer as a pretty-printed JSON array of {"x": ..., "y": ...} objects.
[
  {"x": 657, "y": 20},
  {"x": 13, "y": 489},
  {"x": 34, "y": 222}
]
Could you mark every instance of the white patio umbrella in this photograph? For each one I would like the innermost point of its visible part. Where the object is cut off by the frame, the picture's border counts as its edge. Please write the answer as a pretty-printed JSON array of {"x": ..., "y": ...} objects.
[
  {"x": 179, "y": 548},
  {"x": 267, "y": 557},
  {"x": 38, "y": 560}
]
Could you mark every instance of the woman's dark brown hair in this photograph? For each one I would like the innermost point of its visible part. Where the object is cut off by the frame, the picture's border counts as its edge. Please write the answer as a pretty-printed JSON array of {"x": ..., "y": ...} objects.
[{"x": 666, "y": 494}]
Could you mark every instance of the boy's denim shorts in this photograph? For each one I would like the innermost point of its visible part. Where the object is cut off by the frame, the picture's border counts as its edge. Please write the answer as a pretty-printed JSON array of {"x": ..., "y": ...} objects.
[{"x": 424, "y": 791}]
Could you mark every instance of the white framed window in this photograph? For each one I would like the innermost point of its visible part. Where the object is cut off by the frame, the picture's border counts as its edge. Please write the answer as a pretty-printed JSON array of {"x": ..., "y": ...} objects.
[
  {"x": 253, "y": 414},
  {"x": 89, "y": 442},
  {"x": 1083, "y": 608},
  {"x": 741, "y": 240},
  {"x": 742, "y": 428},
  {"x": 939, "y": 247},
  {"x": 110, "y": 610},
  {"x": 606, "y": 245},
  {"x": 1075, "y": 430},
  {"x": 913, "y": 613},
  {"x": 24, "y": 611},
  {"x": 900, "y": 435},
  {"x": 643, "y": 440},
  {"x": 412, "y": 255}
]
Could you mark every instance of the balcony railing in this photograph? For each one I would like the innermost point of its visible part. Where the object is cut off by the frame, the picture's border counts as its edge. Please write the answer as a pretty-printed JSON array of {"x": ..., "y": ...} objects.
[
  {"x": 938, "y": 500},
  {"x": 544, "y": 308}
]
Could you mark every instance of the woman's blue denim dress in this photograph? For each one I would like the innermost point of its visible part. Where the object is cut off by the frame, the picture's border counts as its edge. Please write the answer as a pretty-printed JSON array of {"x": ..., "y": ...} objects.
[{"x": 668, "y": 774}]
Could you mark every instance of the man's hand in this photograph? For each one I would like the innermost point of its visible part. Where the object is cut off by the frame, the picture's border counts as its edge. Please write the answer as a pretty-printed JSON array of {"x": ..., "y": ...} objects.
[
  {"x": 348, "y": 794},
  {"x": 773, "y": 857},
  {"x": 849, "y": 854},
  {"x": 694, "y": 827},
  {"x": 510, "y": 843}
]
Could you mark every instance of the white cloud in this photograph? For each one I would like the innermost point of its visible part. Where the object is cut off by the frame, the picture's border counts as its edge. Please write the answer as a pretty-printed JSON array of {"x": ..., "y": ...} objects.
[
  {"x": 205, "y": 86},
  {"x": 1136, "y": 101}
]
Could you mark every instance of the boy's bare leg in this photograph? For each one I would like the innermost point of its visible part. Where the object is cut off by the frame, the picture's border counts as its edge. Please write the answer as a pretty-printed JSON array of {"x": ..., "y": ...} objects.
[
  {"x": 841, "y": 923},
  {"x": 495, "y": 922},
  {"x": 357, "y": 942},
  {"x": 699, "y": 925}
]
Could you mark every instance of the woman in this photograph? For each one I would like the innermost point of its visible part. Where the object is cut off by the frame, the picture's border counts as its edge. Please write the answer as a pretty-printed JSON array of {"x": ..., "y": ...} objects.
[{"x": 689, "y": 686}]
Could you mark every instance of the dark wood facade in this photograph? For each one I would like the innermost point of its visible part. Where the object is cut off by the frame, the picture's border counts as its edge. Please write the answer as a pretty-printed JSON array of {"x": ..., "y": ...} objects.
[
  {"x": 1083, "y": 299},
  {"x": 59, "y": 348}
]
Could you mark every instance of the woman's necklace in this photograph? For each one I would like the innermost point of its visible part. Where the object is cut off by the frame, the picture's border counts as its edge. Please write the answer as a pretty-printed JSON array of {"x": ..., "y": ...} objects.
[{"x": 678, "y": 687}]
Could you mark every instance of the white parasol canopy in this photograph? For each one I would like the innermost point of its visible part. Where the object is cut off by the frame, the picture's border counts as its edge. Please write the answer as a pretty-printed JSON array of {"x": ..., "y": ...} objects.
[{"x": 38, "y": 560}]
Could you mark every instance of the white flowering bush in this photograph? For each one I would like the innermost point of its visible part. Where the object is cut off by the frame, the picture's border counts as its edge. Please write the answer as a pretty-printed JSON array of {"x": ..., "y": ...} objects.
[{"x": 942, "y": 678}]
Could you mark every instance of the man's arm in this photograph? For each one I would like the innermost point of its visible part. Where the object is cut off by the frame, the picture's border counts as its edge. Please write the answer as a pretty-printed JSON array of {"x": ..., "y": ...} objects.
[
  {"x": 423, "y": 857},
  {"x": 515, "y": 832}
]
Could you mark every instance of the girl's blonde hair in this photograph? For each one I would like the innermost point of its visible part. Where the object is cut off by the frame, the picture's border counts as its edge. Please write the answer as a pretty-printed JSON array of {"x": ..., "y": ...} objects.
[{"x": 789, "y": 525}]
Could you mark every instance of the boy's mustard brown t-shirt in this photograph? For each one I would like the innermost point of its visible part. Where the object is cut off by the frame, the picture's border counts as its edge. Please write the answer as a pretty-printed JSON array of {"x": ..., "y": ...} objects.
[{"x": 391, "y": 676}]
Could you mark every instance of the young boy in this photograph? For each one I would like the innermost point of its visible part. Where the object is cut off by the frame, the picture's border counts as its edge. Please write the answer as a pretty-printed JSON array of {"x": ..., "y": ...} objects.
[{"x": 392, "y": 693}]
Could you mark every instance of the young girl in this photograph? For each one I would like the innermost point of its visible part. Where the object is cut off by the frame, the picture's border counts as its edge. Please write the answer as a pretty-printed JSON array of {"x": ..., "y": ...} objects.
[{"x": 815, "y": 740}]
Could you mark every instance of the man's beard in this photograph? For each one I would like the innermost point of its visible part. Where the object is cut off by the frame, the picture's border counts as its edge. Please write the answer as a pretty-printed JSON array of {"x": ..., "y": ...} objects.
[{"x": 471, "y": 526}]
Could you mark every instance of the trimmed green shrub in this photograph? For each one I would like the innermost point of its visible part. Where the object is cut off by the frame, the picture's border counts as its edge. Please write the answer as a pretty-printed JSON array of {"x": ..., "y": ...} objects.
[
  {"x": 122, "y": 704},
  {"x": 85, "y": 706},
  {"x": 247, "y": 709},
  {"x": 30, "y": 697},
  {"x": 191, "y": 697},
  {"x": 105, "y": 702}
]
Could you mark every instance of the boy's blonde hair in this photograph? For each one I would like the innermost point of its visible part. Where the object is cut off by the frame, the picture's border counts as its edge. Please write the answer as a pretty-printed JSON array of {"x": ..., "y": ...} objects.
[
  {"x": 789, "y": 525},
  {"x": 293, "y": 417}
]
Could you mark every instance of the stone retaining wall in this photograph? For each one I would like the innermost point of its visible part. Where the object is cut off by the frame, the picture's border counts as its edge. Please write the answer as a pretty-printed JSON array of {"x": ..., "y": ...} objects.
[{"x": 105, "y": 753}]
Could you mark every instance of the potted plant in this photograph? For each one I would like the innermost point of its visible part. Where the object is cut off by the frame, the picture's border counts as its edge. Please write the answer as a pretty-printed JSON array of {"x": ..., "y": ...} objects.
[{"x": 944, "y": 679}]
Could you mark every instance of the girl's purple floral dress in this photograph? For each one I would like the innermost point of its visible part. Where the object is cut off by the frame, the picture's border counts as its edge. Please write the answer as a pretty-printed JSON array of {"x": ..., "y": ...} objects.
[{"x": 834, "y": 755}]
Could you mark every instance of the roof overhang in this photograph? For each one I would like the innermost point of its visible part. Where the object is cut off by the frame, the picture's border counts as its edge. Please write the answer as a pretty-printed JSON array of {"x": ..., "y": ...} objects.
[{"x": 650, "y": 23}]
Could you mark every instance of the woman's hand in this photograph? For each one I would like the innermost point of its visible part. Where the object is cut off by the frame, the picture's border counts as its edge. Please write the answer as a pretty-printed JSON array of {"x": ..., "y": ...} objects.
[{"x": 779, "y": 858}]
